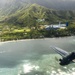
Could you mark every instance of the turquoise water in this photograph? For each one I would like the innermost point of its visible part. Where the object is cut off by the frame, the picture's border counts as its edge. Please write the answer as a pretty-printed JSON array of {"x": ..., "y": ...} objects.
[
  {"x": 35, "y": 57},
  {"x": 47, "y": 65}
]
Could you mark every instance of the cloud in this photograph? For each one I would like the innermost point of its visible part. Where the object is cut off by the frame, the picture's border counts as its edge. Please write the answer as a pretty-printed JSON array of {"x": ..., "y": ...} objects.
[{"x": 5, "y": 1}]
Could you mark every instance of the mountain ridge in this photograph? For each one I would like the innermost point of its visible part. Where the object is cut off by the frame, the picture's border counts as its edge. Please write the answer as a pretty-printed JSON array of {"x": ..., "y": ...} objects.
[
  {"x": 8, "y": 7},
  {"x": 32, "y": 13}
]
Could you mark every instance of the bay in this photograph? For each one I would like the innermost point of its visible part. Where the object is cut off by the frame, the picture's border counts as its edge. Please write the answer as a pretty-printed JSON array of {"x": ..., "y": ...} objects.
[{"x": 35, "y": 57}]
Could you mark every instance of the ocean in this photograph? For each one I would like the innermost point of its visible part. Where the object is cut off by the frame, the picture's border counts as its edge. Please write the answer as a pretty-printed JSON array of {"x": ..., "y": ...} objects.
[{"x": 35, "y": 57}]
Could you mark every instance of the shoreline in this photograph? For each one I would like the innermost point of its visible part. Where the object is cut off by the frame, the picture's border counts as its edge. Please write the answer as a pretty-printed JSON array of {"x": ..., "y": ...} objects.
[
  {"x": 2, "y": 42},
  {"x": 16, "y": 40}
]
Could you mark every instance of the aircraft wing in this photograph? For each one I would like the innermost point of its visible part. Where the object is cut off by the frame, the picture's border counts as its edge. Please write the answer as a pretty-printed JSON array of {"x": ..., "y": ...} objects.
[{"x": 62, "y": 52}]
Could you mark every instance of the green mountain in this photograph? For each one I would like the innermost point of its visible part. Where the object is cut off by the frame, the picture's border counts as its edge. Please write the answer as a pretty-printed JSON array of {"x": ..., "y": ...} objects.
[
  {"x": 8, "y": 7},
  {"x": 17, "y": 20},
  {"x": 38, "y": 15}
]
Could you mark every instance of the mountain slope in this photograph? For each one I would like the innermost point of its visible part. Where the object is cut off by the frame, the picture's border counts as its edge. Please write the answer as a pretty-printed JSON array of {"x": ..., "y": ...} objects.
[
  {"x": 30, "y": 16},
  {"x": 10, "y": 7}
]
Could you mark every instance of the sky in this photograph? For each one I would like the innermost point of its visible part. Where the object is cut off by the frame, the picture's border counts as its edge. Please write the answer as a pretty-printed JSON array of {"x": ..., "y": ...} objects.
[
  {"x": 44, "y": 2},
  {"x": 4, "y": 1}
]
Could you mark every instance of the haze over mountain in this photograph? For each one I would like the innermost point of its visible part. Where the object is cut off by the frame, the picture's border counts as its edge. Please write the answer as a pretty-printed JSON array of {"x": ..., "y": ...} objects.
[
  {"x": 11, "y": 6},
  {"x": 57, "y": 4},
  {"x": 20, "y": 11},
  {"x": 32, "y": 15},
  {"x": 54, "y": 4}
]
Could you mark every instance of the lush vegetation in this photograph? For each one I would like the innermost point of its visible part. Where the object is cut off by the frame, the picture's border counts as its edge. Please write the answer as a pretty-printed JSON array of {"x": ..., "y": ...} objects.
[
  {"x": 33, "y": 33},
  {"x": 33, "y": 15},
  {"x": 28, "y": 23}
]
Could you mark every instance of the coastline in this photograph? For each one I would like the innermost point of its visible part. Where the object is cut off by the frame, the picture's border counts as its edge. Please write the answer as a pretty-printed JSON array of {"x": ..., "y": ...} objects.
[
  {"x": 9, "y": 41},
  {"x": 16, "y": 40}
]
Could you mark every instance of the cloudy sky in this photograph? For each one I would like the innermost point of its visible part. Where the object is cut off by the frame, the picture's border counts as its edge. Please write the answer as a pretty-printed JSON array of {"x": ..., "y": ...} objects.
[
  {"x": 48, "y": 3},
  {"x": 35, "y": 0},
  {"x": 3, "y": 1}
]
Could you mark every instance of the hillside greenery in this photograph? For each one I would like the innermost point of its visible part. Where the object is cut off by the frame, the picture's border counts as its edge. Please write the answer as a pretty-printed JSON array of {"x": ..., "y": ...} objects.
[
  {"x": 28, "y": 23},
  {"x": 30, "y": 15}
]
